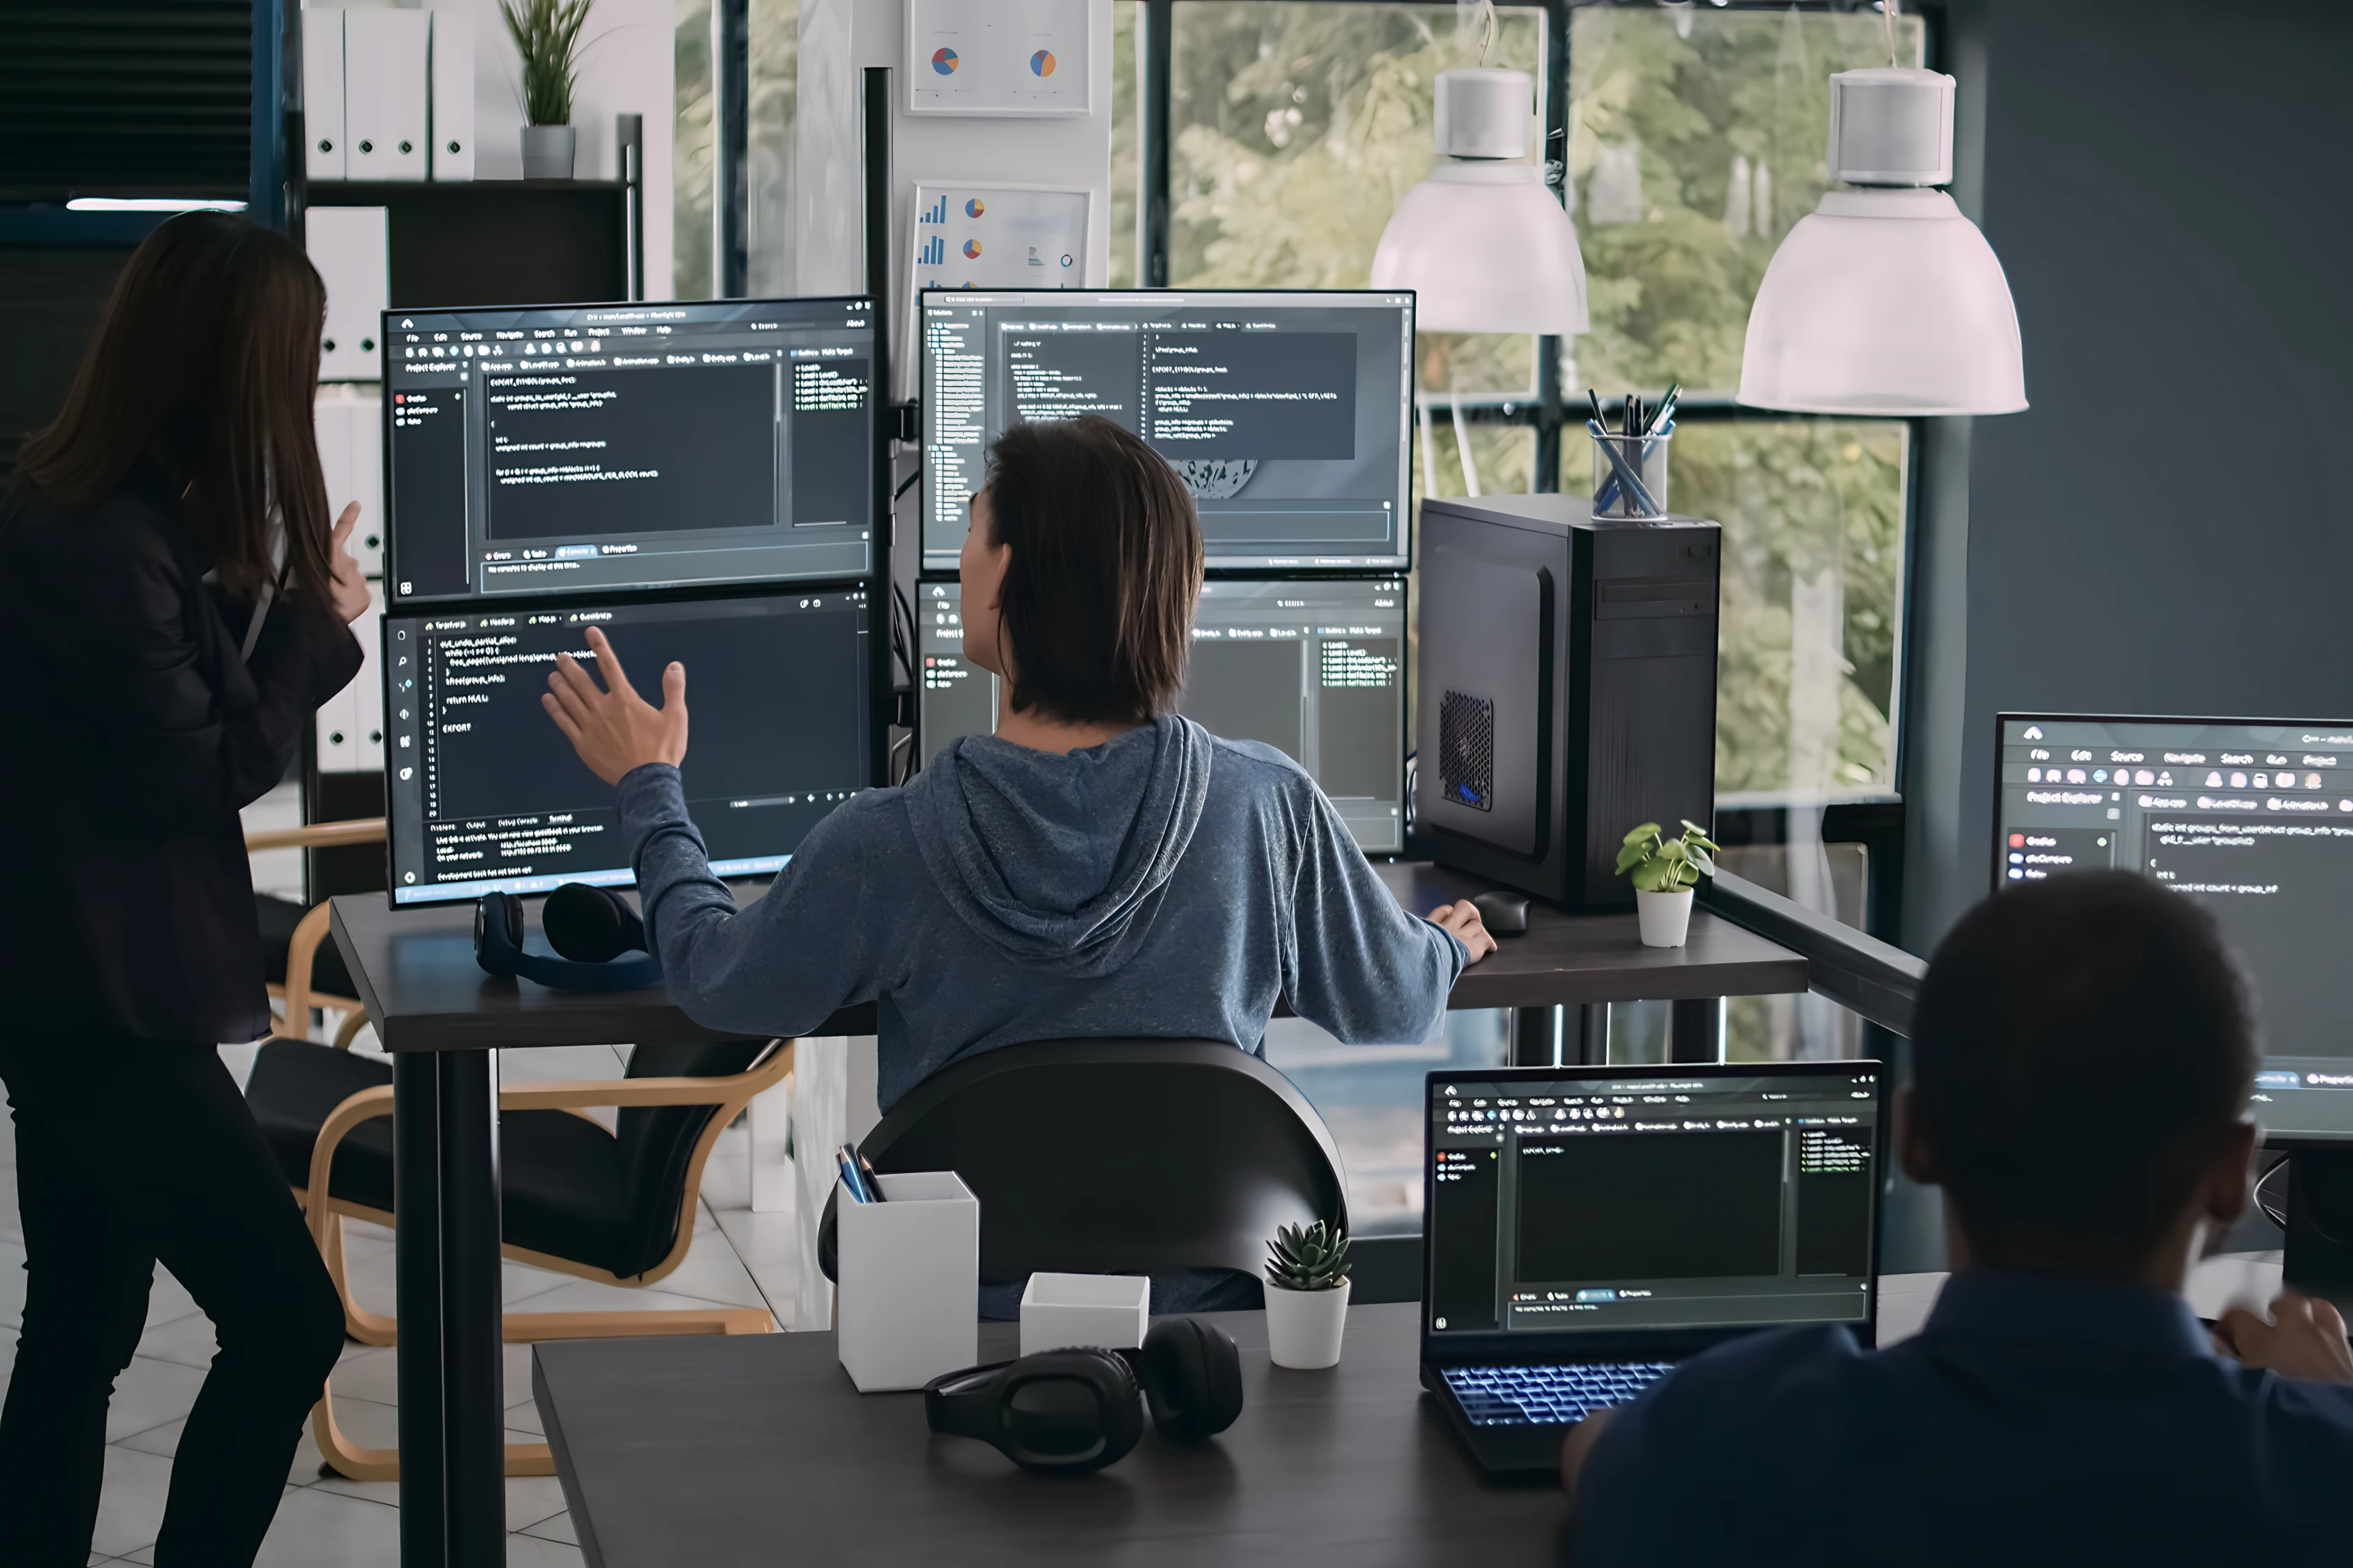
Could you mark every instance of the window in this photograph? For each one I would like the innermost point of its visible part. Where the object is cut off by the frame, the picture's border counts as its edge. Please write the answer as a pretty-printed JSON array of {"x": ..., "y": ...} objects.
[{"x": 772, "y": 29}]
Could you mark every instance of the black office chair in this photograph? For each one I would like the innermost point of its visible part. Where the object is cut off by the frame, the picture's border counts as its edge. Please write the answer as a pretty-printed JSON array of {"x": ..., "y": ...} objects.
[{"x": 1116, "y": 1157}]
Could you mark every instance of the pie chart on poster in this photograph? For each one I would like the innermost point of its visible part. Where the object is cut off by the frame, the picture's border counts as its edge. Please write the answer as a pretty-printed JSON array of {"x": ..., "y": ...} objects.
[
  {"x": 943, "y": 61},
  {"x": 1042, "y": 63},
  {"x": 974, "y": 207},
  {"x": 972, "y": 250}
]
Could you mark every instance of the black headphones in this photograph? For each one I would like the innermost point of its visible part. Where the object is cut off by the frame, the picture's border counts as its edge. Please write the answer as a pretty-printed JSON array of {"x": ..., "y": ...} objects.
[
  {"x": 589, "y": 928},
  {"x": 1072, "y": 1412}
]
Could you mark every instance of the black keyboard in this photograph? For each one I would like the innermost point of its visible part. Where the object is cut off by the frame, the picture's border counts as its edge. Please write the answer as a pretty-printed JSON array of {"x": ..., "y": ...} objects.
[{"x": 1548, "y": 1395}]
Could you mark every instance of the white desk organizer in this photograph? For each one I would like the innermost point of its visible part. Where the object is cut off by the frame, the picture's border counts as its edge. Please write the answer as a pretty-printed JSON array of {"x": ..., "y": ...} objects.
[
  {"x": 1107, "y": 1309},
  {"x": 908, "y": 1300}
]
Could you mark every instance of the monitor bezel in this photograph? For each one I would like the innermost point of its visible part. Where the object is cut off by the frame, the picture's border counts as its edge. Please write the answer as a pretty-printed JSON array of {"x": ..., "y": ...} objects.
[
  {"x": 1404, "y": 562},
  {"x": 875, "y": 707},
  {"x": 879, "y": 529},
  {"x": 1506, "y": 1345}
]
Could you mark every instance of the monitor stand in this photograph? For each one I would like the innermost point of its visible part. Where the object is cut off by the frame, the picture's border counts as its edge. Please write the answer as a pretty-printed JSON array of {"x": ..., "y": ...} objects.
[{"x": 2318, "y": 1260}]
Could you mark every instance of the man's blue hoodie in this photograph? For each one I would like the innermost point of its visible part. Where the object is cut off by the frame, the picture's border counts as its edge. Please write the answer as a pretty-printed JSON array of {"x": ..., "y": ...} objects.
[{"x": 1165, "y": 883}]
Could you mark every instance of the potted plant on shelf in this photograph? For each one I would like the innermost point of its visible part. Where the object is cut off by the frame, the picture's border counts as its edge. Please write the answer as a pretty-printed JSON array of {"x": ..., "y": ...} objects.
[
  {"x": 1665, "y": 871},
  {"x": 546, "y": 34},
  {"x": 1306, "y": 1295}
]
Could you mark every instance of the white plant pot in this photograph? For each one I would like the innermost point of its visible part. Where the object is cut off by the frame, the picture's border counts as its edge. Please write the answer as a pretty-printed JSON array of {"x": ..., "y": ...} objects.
[
  {"x": 1304, "y": 1327},
  {"x": 547, "y": 152},
  {"x": 1665, "y": 917}
]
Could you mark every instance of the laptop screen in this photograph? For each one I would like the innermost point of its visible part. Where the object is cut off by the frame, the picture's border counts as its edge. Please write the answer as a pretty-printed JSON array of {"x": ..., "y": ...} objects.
[{"x": 1616, "y": 1200}]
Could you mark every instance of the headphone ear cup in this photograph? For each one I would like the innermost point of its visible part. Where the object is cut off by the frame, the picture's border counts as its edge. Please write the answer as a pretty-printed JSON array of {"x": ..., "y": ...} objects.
[
  {"x": 1192, "y": 1377},
  {"x": 590, "y": 925},
  {"x": 497, "y": 932}
]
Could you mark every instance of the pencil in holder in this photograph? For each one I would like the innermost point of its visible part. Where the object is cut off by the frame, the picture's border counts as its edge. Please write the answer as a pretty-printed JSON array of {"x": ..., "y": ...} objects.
[{"x": 1629, "y": 475}]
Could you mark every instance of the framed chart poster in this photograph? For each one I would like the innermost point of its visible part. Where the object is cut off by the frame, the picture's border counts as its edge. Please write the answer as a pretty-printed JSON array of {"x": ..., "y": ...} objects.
[
  {"x": 972, "y": 236},
  {"x": 1018, "y": 58}
]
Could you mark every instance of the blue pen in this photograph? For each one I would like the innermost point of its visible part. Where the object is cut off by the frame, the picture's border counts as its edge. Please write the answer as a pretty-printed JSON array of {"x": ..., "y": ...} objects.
[
  {"x": 1664, "y": 427},
  {"x": 846, "y": 1157},
  {"x": 1624, "y": 472}
]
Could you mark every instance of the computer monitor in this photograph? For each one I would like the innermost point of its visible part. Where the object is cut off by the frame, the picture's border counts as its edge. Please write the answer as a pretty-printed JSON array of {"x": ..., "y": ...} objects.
[
  {"x": 607, "y": 448},
  {"x": 1314, "y": 668},
  {"x": 2253, "y": 819},
  {"x": 484, "y": 794},
  {"x": 1602, "y": 1201},
  {"x": 1288, "y": 415}
]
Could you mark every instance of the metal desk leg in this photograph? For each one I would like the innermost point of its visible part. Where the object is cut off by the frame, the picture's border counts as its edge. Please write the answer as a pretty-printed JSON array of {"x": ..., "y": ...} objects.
[
  {"x": 1696, "y": 1031},
  {"x": 416, "y": 1242},
  {"x": 473, "y": 1403}
]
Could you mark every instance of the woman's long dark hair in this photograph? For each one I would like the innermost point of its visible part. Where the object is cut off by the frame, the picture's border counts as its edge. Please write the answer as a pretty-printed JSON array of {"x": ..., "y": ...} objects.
[{"x": 206, "y": 365}]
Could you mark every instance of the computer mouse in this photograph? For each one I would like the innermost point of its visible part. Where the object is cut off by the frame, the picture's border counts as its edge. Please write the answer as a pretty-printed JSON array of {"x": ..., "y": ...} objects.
[{"x": 1503, "y": 913}]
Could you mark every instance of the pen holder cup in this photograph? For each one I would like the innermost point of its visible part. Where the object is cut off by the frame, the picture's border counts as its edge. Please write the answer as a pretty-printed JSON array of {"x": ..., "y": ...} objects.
[
  {"x": 1640, "y": 458},
  {"x": 907, "y": 1307}
]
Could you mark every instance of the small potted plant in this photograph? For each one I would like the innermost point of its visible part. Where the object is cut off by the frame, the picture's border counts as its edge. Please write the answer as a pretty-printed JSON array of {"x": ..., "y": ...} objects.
[
  {"x": 1306, "y": 1295},
  {"x": 546, "y": 34},
  {"x": 1665, "y": 871}
]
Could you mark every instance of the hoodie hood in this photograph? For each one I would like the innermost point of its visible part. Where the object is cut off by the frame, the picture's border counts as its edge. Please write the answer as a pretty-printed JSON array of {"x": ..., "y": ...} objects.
[{"x": 1059, "y": 860}]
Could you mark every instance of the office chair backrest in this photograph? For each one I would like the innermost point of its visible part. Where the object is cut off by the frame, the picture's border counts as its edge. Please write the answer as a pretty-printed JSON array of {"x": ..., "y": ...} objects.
[
  {"x": 658, "y": 1142},
  {"x": 1116, "y": 1157}
]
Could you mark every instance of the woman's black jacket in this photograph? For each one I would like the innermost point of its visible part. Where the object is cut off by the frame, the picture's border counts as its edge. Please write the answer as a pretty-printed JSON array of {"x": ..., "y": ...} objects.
[{"x": 133, "y": 733}]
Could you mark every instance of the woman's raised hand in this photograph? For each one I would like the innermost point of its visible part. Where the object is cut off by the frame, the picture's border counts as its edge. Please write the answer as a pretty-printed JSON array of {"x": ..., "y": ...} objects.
[
  {"x": 349, "y": 591},
  {"x": 613, "y": 728}
]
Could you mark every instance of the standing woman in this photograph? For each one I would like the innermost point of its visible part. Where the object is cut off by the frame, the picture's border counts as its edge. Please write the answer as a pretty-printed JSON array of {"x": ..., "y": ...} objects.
[{"x": 173, "y": 607}]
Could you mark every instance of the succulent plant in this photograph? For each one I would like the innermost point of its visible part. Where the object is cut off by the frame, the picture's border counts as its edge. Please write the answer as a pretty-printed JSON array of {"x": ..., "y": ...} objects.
[{"x": 1307, "y": 1257}]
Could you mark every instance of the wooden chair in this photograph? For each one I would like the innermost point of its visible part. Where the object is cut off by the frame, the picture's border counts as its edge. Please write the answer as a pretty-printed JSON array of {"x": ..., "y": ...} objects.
[
  {"x": 616, "y": 1208},
  {"x": 303, "y": 969}
]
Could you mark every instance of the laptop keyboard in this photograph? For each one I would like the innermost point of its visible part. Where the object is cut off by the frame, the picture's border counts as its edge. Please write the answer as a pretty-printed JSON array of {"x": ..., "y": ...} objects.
[{"x": 1548, "y": 1395}]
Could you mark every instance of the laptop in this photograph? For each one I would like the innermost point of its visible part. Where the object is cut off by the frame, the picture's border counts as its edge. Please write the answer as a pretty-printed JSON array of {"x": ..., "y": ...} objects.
[{"x": 1586, "y": 1228}]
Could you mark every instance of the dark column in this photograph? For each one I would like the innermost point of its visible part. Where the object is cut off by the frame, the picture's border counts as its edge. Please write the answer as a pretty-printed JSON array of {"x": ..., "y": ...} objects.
[{"x": 417, "y": 1198}]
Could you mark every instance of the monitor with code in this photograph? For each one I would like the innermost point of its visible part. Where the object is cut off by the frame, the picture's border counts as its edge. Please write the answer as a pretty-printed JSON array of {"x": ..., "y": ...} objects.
[
  {"x": 609, "y": 448},
  {"x": 1593, "y": 1201},
  {"x": 1313, "y": 668},
  {"x": 1287, "y": 415},
  {"x": 2253, "y": 819},
  {"x": 485, "y": 795}
]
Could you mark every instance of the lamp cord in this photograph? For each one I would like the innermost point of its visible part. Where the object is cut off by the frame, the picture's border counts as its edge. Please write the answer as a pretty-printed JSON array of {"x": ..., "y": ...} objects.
[
  {"x": 1887, "y": 16},
  {"x": 1486, "y": 9}
]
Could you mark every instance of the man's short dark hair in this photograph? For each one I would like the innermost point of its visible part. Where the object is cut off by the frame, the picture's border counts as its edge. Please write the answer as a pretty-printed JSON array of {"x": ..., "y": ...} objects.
[
  {"x": 1097, "y": 602},
  {"x": 2081, "y": 1049}
]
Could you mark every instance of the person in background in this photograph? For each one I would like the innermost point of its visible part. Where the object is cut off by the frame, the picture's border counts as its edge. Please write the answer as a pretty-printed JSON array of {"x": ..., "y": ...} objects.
[
  {"x": 173, "y": 606},
  {"x": 2083, "y": 1053},
  {"x": 1101, "y": 866}
]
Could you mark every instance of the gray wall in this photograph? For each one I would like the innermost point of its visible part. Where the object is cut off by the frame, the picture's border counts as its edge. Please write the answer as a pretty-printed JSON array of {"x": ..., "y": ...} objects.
[{"x": 2167, "y": 183}]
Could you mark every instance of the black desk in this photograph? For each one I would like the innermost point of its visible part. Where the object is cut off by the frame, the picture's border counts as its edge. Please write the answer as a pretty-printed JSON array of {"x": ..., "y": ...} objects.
[
  {"x": 441, "y": 1017},
  {"x": 717, "y": 1452}
]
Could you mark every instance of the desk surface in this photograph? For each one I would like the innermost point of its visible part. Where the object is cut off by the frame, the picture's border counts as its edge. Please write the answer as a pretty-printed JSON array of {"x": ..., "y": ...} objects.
[
  {"x": 416, "y": 972},
  {"x": 757, "y": 1450}
]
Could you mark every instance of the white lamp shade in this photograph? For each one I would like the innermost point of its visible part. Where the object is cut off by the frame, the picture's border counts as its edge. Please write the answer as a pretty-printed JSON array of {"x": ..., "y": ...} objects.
[
  {"x": 1884, "y": 302},
  {"x": 1486, "y": 248}
]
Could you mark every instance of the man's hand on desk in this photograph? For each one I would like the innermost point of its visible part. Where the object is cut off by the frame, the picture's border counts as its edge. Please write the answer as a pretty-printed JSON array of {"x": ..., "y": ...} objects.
[
  {"x": 1463, "y": 923},
  {"x": 2305, "y": 1338},
  {"x": 613, "y": 728}
]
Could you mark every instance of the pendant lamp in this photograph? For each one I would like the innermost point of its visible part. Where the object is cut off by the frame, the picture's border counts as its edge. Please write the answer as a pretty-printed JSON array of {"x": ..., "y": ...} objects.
[
  {"x": 1886, "y": 299},
  {"x": 1483, "y": 243}
]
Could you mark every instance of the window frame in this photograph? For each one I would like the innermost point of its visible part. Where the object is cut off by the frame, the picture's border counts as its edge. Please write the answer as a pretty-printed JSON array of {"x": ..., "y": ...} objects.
[{"x": 1876, "y": 822}]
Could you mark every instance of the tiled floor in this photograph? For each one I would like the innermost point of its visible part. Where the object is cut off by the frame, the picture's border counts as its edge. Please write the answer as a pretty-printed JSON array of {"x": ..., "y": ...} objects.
[{"x": 738, "y": 1258}]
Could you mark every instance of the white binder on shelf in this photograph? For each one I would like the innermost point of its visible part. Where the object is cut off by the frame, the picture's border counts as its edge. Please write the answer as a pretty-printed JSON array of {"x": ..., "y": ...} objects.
[
  {"x": 347, "y": 246},
  {"x": 452, "y": 69},
  {"x": 323, "y": 95},
  {"x": 365, "y": 694},
  {"x": 385, "y": 95},
  {"x": 367, "y": 479}
]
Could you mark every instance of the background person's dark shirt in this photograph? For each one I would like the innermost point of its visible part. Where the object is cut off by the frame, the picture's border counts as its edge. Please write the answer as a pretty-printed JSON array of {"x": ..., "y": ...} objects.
[{"x": 2033, "y": 1420}]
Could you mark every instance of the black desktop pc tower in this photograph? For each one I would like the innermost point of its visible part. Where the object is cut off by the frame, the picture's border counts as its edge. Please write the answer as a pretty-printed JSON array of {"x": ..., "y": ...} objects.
[{"x": 1567, "y": 689}]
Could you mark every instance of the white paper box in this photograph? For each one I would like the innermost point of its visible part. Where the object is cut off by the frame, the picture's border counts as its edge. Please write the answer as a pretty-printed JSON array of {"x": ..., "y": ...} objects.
[
  {"x": 453, "y": 95},
  {"x": 384, "y": 93},
  {"x": 322, "y": 94},
  {"x": 908, "y": 1300},
  {"x": 1063, "y": 1310}
]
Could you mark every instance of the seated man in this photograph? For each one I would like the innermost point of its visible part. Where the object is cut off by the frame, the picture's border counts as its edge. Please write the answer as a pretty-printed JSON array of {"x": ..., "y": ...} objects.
[
  {"x": 2083, "y": 1055},
  {"x": 1101, "y": 866}
]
